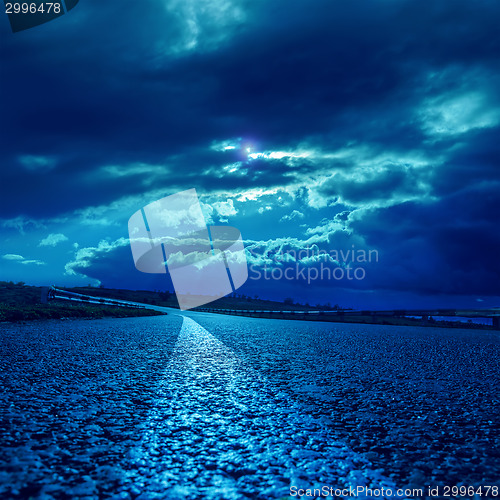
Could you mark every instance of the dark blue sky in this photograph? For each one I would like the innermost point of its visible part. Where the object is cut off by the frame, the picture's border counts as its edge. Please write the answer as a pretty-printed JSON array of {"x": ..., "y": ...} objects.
[{"x": 308, "y": 125}]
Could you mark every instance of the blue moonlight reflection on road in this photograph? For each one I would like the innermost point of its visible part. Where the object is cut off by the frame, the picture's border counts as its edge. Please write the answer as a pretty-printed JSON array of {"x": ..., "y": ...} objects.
[{"x": 203, "y": 406}]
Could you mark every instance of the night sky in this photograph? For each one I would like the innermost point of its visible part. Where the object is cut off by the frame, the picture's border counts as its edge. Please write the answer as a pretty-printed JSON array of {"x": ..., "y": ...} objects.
[{"x": 321, "y": 126}]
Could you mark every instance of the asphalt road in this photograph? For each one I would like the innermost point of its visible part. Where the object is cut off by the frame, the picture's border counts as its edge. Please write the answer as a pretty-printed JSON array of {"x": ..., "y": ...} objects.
[{"x": 207, "y": 406}]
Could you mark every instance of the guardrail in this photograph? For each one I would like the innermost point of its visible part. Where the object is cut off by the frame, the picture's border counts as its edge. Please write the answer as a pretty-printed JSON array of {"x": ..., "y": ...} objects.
[
  {"x": 265, "y": 311},
  {"x": 492, "y": 313},
  {"x": 52, "y": 293}
]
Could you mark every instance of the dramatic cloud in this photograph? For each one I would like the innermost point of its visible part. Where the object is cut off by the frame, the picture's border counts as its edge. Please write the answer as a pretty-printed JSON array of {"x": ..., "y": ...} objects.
[
  {"x": 19, "y": 259},
  {"x": 52, "y": 240},
  {"x": 295, "y": 215},
  {"x": 373, "y": 124},
  {"x": 33, "y": 163},
  {"x": 11, "y": 256}
]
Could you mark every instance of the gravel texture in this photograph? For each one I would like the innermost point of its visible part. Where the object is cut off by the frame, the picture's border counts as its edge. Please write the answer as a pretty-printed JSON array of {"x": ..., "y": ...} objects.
[
  {"x": 73, "y": 396},
  {"x": 422, "y": 404},
  {"x": 226, "y": 430},
  {"x": 230, "y": 408}
]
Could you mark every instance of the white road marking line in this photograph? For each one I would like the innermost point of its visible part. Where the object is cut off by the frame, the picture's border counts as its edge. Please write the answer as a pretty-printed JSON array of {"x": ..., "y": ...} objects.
[{"x": 220, "y": 430}]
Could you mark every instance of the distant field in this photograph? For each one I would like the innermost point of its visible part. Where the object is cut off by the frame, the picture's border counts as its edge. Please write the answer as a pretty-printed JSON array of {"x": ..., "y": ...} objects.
[
  {"x": 168, "y": 299},
  {"x": 20, "y": 302}
]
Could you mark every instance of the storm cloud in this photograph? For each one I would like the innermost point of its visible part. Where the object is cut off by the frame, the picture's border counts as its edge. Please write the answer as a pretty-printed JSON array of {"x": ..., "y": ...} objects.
[{"x": 328, "y": 123}]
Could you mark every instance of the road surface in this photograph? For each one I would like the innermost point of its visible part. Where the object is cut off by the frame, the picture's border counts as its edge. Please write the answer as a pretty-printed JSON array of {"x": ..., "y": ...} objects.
[{"x": 195, "y": 405}]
